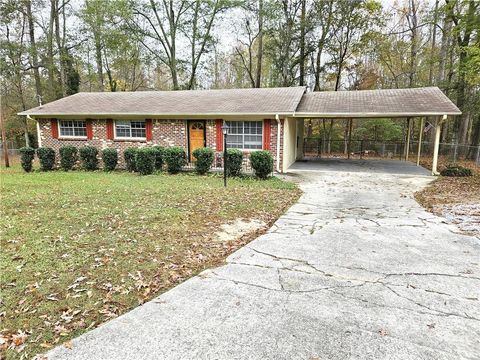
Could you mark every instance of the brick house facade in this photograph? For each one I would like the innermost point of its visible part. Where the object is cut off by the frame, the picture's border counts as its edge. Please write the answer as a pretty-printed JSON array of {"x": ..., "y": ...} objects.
[
  {"x": 260, "y": 118},
  {"x": 164, "y": 132}
]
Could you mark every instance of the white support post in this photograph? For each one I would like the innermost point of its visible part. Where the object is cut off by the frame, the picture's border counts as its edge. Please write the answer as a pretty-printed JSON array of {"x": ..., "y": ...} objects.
[
  {"x": 420, "y": 135},
  {"x": 436, "y": 145}
]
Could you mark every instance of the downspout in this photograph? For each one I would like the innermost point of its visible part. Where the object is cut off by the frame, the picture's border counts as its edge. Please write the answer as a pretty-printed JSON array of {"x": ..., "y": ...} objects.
[
  {"x": 39, "y": 138},
  {"x": 278, "y": 142}
]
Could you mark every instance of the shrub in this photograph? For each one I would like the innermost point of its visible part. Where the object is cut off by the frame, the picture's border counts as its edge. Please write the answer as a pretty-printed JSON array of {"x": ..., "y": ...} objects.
[
  {"x": 46, "y": 156},
  {"x": 145, "y": 161},
  {"x": 27, "y": 154},
  {"x": 176, "y": 158},
  {"x": 159, "y": 154},
  {"x": 234, "y": 162},
  {"x": 68, "y": 157},
  {"x": 88, "y": 157},
  {"x": 129, "y": 156},
  {"x": 204, "y": 159},
  {"x": 110, "y": 159},
  {"x": 456, "y": 170},
  {"x": 262, "y": 163}
]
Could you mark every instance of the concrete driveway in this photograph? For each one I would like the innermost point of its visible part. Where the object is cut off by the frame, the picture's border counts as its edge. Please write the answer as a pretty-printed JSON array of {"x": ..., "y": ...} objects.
[{"x": 355, "y": 270}]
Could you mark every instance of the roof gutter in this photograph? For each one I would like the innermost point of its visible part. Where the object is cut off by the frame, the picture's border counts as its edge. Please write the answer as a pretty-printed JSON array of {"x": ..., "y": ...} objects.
[
  {"x": 126, "y": 114},
  {"x": 367, "y": 115}
]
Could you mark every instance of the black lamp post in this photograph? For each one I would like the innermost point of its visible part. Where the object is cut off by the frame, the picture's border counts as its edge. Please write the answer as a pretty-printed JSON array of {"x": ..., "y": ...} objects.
[{"x": 225, "y": 133}]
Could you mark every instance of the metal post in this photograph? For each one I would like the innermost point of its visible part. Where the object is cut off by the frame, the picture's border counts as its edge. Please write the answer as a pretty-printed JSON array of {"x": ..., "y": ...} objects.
[
  {"x": 419, "y": 150},
  {"x": 407, "y": 144},
  {"x": 349, "y": 145},
  {"x": 455, "y": 149},
  {"x": 225, "y": 161},
  {"x": 4, "y": 141},
  {"x": 361, "y": 149}
]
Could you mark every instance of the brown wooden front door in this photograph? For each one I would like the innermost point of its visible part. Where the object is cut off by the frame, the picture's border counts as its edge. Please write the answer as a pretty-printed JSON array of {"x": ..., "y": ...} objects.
[{"x": 196, "y": 136}]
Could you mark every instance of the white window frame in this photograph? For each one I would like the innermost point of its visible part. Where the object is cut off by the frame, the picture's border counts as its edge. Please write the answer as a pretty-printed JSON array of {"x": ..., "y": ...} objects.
[
  {"x": 59, "y": 126},
  {"x": 116, "y": 137},
  {"x": 243, "y": 136}
]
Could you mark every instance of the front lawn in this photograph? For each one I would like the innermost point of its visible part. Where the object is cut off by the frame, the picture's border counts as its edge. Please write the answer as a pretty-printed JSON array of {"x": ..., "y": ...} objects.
[{"x": 80, "y": 248}]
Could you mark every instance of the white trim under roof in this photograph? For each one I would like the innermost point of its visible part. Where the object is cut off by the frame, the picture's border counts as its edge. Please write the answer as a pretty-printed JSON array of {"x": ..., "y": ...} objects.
[{"x": 371, "y": 115}]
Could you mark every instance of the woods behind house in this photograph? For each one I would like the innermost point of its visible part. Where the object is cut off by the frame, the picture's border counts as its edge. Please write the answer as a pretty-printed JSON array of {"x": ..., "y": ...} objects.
[{"x": 54, "y": 48}]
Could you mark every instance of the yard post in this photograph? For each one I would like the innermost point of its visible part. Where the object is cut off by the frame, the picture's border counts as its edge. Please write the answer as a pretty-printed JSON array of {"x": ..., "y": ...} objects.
[
  {"x": 225, "y": 161},
  {"x": 4, "y": 141},
  {"x": 349, "y": 147}
]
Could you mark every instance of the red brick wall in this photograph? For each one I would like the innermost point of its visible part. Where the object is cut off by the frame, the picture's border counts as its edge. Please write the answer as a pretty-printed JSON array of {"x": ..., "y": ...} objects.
[{"x": 164, "y": 133}]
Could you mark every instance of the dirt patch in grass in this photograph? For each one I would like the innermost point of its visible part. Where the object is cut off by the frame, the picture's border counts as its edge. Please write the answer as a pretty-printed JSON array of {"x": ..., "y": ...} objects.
[{"x": 81, "y": 248}]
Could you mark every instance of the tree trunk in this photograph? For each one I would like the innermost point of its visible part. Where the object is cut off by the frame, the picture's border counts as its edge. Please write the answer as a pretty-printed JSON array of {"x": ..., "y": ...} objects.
[
  {"x": 61, "y": 50},
  {"x": 463, "y": 43},
  {"x": 33, "y": 51},
  {"x": 413, "y": 44},
  {"x": 98, "y": 58},
  {"x": 302, "y": 44},
  {"x": 258, "y": 77}
]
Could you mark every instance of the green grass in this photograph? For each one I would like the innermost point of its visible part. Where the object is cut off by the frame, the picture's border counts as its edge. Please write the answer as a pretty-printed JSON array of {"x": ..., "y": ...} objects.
[{"x": 78, "y": 248}]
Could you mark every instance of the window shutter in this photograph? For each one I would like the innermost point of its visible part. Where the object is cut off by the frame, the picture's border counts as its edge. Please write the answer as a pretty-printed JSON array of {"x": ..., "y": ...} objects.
[
  {"x": 89, "y": 128},
  {"x": 219, "y": 137},
  {"x": 148, "y": 129},
  {"x": 109, "y": 129},
  {"x": 267, "y": 130},
  {"x": 54, "y": 126}
]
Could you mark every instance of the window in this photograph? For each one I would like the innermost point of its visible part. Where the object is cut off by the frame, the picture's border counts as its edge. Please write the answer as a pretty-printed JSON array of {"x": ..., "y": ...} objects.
[
  {"x": 245, "y": 134},
  {"x": 72, "y": 128},
  {"x": 130, "y": 129}
]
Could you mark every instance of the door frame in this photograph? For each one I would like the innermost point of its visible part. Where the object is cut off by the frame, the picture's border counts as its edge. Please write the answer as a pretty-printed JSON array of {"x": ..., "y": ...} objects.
[{"x": 188, "y": 135}]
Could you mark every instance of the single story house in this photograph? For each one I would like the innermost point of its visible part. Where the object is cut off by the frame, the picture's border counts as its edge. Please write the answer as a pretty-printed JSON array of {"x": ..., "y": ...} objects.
[{"x": 271, "y": 119}]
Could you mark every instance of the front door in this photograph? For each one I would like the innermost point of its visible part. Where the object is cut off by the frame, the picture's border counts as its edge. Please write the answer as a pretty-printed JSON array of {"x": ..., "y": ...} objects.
[{"x": 196, "y": 136}]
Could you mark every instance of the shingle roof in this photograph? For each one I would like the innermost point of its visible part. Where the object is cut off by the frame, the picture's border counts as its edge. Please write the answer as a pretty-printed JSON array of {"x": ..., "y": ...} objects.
[
  {"x": 292, "y": 101},
  {"x": 368, "y": 103},
  {"x": 188, "y": 102}
]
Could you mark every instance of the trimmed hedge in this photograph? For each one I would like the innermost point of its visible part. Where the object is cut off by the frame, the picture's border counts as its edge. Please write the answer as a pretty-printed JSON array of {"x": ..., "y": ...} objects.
[
  {"x": 175, "y": 158},
  {"x": 456, "y": 170},
  {"x": 234, "y": 162},
  {"x": 262, "y": 163},
  {"x": 204, "y": 160},
  {"x": 159, "y": 155},
  {"x": 110, "y": 159},
  {"x": 46, "y": 156},
  {"x": 68, "y": 157},
  {"x": 129, "y": 156},
  {"x": 88, "y": 157},
  {"x": 145, "y": 161},
  {"x": 27, "y": 154}
]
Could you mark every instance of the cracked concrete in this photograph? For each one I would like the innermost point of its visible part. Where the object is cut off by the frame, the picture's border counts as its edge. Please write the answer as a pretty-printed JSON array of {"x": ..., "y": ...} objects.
[{"x": 355, "y": 270}]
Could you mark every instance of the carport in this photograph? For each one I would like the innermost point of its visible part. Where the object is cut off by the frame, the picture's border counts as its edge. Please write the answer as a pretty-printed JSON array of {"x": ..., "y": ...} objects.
[{"x": 424, "y": 103}]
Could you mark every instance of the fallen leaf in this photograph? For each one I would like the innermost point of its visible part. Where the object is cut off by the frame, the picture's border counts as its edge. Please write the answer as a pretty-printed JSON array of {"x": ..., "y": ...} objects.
[{"x": 382, "y": 332}]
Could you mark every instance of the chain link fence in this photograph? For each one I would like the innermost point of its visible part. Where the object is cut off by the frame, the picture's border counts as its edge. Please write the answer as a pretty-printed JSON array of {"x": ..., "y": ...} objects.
[{"x": 359, "y": 149}]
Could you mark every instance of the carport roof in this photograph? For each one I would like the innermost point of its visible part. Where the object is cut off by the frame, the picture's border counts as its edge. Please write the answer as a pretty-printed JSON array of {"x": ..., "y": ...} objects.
[{"x": 376, "y": 103}]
